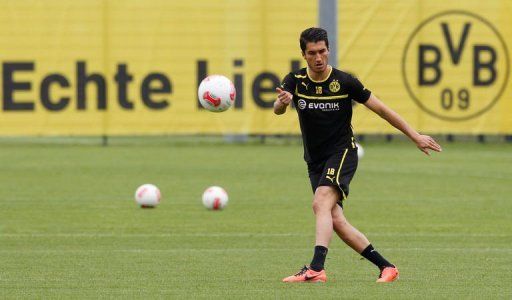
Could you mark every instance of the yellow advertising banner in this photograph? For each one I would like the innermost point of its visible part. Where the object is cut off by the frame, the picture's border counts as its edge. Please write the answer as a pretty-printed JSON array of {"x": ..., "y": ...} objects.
[
  {"x": 444, "y": 65},
  {"x": 121, "y": 67}
]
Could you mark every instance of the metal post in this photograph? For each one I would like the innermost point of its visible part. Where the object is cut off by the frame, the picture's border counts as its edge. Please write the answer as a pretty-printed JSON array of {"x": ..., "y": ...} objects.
[
  {"x": 328, "y": 20},
  {"x": 480, "y": 138}
]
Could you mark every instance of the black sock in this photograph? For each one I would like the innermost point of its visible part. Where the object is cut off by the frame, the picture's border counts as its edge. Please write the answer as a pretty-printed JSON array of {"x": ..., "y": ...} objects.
[
  {"x": 317, "y": 264},
  {"x": 372, "y": 255}
]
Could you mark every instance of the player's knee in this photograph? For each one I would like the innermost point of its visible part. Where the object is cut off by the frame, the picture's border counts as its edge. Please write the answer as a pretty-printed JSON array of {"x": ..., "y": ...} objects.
[
  {"x": 325, "y": 199},
  {"x": 318, "y": 205},
  {"x": 326, "y": 192}
]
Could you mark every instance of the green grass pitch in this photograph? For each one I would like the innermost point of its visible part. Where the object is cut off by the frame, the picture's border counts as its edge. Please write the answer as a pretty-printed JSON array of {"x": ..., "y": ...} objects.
[{"x": 69, "y": 227}]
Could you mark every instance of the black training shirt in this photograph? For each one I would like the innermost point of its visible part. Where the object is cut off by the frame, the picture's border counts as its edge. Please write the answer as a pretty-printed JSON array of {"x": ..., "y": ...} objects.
[{"x": 325, "y": 110}]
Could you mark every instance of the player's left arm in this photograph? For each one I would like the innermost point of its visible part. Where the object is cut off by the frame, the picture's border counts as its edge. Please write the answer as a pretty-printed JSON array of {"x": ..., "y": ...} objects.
[{"x": 423, "y": 142}]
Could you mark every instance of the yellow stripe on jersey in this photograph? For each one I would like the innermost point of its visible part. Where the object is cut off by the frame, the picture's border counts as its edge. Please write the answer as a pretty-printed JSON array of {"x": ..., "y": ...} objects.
[
  {"x": 338, "y": 174},
  {"x": 321, "y": 97},
  {"x": 299, "y": 76}
]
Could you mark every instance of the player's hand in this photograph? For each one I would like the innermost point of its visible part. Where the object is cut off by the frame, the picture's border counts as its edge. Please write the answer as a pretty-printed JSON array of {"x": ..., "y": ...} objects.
[
  {"x": 425, "y": 143},
  {"x": 283, "y": 96}
]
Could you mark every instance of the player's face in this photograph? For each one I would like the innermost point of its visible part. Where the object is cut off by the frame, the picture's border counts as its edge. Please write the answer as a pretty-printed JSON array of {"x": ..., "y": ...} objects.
[{"x": 317, "y": 56}]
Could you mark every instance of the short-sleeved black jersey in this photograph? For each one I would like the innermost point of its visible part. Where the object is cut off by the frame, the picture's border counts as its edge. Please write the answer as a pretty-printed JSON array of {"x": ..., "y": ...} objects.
[{"x": 325, "y": 110}]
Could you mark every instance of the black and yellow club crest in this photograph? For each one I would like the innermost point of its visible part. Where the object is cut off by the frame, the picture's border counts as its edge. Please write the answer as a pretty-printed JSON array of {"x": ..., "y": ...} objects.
[{"x": 334, "y": 86}]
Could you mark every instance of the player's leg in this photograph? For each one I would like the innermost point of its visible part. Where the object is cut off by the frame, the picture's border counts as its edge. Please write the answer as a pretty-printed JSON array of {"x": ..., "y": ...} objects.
[
  {"x": 327, "y": 194},
  {"x": 323, "y": 202},
  {"x": 348, "y": 233},
  {"x": 325, "y": 197},
  {"x": 358, "y": 241}
]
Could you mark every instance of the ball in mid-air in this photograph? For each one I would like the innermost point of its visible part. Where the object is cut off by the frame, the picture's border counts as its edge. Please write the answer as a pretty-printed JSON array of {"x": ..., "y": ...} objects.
[
  {"x": 147, "y": 195},
  {"x": 215, "y": 198},
  {"x": 216, "y": 93}
]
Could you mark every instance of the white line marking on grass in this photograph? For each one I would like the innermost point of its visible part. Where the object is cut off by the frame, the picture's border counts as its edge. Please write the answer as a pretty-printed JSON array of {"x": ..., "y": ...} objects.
[
  {"x": 129, "y": 235},
  {"x": 234, "y": 234},
  {"x": 181, "y": 250},
  {"x": 441, "y": 234},
  {"x": 464, "y": 249},
  {"x": 215, "y": 250}
]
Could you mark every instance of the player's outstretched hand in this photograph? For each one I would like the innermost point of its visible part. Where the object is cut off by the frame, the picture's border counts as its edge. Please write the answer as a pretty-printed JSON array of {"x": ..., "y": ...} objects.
[
  {"x": 425, "y": 143},
  {"x": 284, "y": 96}
]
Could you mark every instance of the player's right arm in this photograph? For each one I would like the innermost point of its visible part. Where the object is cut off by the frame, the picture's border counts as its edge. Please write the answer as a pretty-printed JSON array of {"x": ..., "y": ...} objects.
[
  {"x": 283, "y": 100},
  {"x": 284, "y": 94}
]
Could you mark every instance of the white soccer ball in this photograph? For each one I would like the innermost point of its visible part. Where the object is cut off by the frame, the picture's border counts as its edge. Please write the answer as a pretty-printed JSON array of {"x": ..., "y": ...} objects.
[
  {"x": 360, "y": 151},
  {"x": 216, "y": 93},
  {"x": 215, "y": 198},
  {"x": 147, "y": 195}
]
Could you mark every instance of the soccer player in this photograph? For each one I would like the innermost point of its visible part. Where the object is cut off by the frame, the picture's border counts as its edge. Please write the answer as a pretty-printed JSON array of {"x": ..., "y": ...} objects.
[{"x": 322, "y": 96}]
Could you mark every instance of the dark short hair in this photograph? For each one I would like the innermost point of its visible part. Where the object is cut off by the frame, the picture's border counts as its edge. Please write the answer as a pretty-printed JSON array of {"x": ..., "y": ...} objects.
[{"x": 313, "y": 35}]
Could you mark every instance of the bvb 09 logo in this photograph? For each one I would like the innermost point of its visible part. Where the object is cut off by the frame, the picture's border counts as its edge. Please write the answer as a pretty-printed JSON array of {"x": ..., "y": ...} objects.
[{"x": 455, "y": 65}]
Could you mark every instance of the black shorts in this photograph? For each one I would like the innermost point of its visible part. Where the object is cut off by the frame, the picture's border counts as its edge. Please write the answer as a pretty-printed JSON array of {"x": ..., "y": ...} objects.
[{"x": 336, "y": 170}]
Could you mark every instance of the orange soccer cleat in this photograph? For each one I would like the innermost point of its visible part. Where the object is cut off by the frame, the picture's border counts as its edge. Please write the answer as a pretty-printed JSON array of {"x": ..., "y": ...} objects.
[
  {"x": 307, "y": 275},
  {"x": 388, "y": 274}
]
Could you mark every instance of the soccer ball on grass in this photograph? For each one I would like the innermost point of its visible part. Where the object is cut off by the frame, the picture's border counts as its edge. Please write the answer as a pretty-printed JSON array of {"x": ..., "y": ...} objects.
[
  {"x": 215, "y": 198},
  {"x": 147, "y": 196}
]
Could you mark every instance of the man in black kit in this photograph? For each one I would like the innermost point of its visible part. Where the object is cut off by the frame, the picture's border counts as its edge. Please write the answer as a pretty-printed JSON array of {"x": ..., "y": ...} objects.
[{"x": 322, "y": 96}]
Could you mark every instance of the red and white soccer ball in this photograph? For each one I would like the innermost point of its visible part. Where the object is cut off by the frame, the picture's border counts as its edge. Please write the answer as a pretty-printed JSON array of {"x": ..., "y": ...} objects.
[
  {"x": 147, "y": 196},
  {"x": 216, "y": 93},
  {"x": 215, "y": 198}
]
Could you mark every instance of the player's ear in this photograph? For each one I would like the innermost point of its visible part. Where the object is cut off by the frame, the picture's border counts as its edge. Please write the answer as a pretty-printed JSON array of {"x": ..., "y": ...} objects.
[{"x": 303, "y": 54}]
